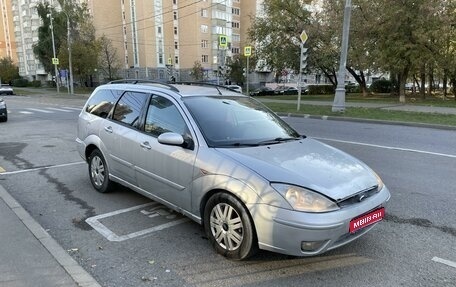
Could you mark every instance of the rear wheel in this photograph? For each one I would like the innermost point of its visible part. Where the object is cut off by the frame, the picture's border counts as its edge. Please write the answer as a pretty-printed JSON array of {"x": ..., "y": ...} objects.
[
  {"x": 98, "y": 172},
  {"x": 229, "y": 227}
]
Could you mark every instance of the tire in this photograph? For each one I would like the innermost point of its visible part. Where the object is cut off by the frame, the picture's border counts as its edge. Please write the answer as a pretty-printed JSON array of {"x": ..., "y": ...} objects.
[
  {"x": 229, "y": 227},
  {"x": 99, "y": 173}
]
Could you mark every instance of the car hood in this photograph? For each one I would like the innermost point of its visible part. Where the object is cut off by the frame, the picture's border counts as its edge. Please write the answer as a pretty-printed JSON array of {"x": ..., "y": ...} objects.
[{"x": 307, "y": 163}]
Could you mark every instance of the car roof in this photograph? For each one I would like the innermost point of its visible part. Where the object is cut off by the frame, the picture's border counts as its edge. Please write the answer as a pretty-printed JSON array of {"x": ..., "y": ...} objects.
[{"x": 185, "y": 89}]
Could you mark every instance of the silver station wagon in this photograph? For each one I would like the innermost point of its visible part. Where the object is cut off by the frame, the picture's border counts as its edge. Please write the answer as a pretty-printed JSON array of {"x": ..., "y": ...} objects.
[{"x": 229, "y": 163}]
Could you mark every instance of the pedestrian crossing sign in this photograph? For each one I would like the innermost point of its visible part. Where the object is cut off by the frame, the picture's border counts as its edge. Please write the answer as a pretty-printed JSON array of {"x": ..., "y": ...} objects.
[
  {"x": 55, "y": 61},
  {"x": 223, "y": 41},
  {"x": 248, "y": 51}
]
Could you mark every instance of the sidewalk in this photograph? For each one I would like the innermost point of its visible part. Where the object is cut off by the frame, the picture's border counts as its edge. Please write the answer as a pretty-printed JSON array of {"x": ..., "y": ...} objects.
[
  {"x": 30, "y": 256},
  {"x": 391, "y": 107}
]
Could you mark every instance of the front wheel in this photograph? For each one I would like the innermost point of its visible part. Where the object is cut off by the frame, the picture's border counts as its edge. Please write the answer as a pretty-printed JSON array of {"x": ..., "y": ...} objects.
[
  {"x": 229, "y": 227},
  {"x": 98, "y": 172}
]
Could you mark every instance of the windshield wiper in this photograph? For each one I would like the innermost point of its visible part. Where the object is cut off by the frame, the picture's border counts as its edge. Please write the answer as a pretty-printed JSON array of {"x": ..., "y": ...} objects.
[{"x": 277, "y": 141}]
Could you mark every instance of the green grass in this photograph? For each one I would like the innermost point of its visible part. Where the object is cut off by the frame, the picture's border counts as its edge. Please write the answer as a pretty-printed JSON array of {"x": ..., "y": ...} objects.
[{"x": 367, "y": 113}]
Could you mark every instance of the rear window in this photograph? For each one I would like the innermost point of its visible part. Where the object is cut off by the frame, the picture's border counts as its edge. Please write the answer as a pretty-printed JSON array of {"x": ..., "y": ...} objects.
[{"x": 102, "y": 102}]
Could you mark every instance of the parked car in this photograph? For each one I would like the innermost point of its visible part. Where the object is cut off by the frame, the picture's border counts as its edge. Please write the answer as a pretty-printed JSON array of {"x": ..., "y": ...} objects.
[
  {"x": 235, "y": 88},
  {"x": 226, "y": 161},
  {"x": 3, "y": 111},
  {"x": 262, "y": 91},
  {"x": 6, "y": 90},
  {"x": 285, "y": 90}
]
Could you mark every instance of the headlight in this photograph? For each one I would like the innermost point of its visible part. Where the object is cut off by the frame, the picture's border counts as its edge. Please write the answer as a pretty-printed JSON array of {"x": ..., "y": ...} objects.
[
  {"x": 302, "y": 199},
  {"x": 379, "y": 182}
]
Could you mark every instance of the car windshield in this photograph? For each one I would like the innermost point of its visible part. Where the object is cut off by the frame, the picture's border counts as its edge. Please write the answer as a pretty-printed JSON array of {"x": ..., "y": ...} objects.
[{"x": 238, "y": 122}]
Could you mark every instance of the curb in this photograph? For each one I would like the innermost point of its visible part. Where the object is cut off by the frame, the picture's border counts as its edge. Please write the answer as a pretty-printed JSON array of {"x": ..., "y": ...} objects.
[
  {"x": 358, "y": 120},
  {"x": 77, "y": 273}
]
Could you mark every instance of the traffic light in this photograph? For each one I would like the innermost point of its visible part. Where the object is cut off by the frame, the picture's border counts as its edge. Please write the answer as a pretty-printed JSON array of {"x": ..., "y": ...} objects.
[{"x": 304, "y": 56}]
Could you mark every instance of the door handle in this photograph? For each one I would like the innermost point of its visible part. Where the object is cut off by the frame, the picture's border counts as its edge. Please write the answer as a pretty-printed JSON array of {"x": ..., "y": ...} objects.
[
  {"x": 146, "y": 145},
  {"x": 108, "y": 129}
]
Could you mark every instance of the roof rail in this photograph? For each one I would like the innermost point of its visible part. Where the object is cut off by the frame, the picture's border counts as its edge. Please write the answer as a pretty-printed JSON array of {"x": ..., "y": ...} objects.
[
  {"x": 217, "y": 86},
  {"x": 136, "y": 81}
]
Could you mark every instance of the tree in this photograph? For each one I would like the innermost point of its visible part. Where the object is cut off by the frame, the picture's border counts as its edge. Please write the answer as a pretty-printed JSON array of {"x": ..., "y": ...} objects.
[
  {"x": 276, "y": 34},
  {"x": 8, "y": 70},
  {"x": 108, "y": 61},
  {"x": 197, "y": 71}
]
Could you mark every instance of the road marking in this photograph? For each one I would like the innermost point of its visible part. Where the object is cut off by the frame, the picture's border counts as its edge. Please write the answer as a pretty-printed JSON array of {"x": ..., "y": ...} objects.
[
  {"x": 389, "y": 147},
  {"x": 40, "y": 111},
  {"x": 59, "y": 110},
  {"x": 41, "y": 168},
  {"x": 111, "y": 236},
  {"x": 25, "y": 112},
  {"x": 444, "y": 261},
  {"x": 71, "y": 108}
]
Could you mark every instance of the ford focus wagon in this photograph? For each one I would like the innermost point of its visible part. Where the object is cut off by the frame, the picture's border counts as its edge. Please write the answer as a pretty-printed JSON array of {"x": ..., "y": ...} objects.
[{"x": 229, "y": 163}]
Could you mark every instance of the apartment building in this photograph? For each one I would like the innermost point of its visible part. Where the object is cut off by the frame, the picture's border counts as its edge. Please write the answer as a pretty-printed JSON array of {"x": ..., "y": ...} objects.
[
  {"x": 7, "y": 40},
  {"x": 157, "y": 39},
  {"x": 24, "y": 30}
]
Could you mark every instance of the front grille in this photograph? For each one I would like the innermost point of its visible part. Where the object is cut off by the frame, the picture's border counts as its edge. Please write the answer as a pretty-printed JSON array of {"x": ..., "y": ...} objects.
[{"x": 358, "y": 197}]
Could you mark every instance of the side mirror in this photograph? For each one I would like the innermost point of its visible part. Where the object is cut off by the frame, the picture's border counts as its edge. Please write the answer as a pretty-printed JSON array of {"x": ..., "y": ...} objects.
[{"x": 176, "y": 140}]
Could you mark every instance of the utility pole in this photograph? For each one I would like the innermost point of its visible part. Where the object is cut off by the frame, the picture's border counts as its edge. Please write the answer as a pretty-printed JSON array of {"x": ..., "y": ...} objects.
[
  {"x": 70, "y": 66},
  {"x": 339, "y": 99},
  {"x": 54, "y": 59}
]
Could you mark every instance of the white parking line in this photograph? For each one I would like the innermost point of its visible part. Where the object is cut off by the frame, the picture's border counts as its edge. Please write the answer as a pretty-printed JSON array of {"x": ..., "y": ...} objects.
[
  {"x": 25, "y": 112},
  {"x": 444, "y": 261},
  {"x": 59, "y": 110},
  {"x": 389, "y": 147},
  {"x": 111, "y": 236},
  {"x": 40, "y": 111}
]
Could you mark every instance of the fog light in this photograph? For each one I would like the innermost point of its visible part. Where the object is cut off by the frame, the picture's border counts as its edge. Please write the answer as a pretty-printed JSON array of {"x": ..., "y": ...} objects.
[{"x": 309, "y": 246}]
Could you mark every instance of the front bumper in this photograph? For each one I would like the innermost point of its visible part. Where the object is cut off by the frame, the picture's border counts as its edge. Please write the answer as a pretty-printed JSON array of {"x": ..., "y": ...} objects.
[
  {"x": 3, "y": 112},
  {"x": 284, "y": 231}
]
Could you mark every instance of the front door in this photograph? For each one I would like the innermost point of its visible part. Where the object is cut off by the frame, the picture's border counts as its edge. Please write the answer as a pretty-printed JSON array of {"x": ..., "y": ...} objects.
[{"x": 165, "y": 171}]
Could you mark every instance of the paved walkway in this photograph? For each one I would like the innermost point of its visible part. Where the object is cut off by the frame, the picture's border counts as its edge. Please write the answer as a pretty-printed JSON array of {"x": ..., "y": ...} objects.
[
  {"x": 392, "y": 107},
  {"x": 30, "y": 257}
]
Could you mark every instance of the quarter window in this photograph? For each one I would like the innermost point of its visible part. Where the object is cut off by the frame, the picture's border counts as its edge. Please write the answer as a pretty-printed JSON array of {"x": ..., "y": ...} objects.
[
  {"x": 128, "y": 109},
  {"x": 163, "y": 116},
  {"x": 101, "y": 103}
]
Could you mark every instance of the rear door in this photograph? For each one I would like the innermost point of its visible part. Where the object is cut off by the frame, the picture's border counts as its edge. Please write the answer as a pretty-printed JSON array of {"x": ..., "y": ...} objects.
[{"x": 119, "y": 133}]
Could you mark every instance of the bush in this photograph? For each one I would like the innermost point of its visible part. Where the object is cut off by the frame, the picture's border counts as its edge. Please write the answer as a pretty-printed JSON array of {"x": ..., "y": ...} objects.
[
  {"x": 321, "y": 89},
  {"x": 382, "y": 86},
  {"x": 35, "y": 84},
  {"x": 20, "y": 82}
]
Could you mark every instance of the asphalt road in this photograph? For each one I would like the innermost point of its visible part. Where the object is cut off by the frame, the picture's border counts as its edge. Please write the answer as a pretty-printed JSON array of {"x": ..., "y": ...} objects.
[{"x": 131, "y": 241}]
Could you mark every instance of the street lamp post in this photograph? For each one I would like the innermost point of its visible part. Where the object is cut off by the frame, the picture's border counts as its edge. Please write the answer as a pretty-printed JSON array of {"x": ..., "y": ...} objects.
[
  {"x": 70, "y": 66},
  {"x": 53, "y": 51},
  {"x": 339, "y": 99}
]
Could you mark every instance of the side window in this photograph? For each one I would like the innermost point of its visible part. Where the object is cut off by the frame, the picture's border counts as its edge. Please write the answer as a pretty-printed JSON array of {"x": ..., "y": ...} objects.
[
  {"x": 101, "y": 103},
  {"x": 163, "y": 116},
  {"x": 128, "y": 109}
]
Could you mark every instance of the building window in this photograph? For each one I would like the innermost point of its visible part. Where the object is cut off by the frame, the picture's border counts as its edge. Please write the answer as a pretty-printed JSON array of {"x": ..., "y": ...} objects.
[
  {"x": 175, "y": 15},
  {"x": 175, "y": 2},
  {"x": 159, "y": 30},
  {"x": 176, "y": 45},
  {"x": 205, "y": 58},
  {"x": 204, "y": 28},
  {"x": 176, "y": 60},
  {"x": 203, "y": 12},
  {"x": 204, "y": 44},
  {"x": 236, "y": 38},
  {"x": 235, "y": 25},
  {"x": 160, "y": 58},
  {"x": 175, "y": 30},
  {"x": 235, "y": 50},
  {"x": 236, "y": 11}
]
